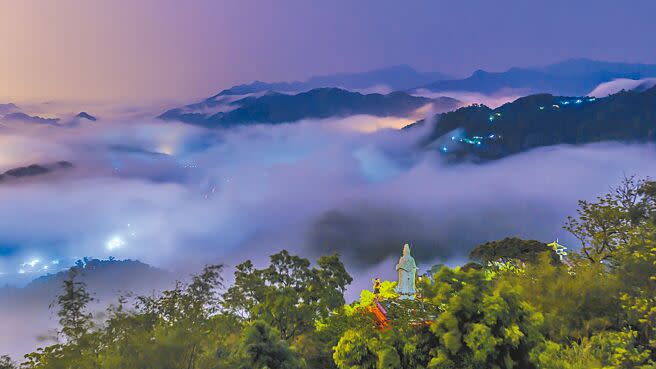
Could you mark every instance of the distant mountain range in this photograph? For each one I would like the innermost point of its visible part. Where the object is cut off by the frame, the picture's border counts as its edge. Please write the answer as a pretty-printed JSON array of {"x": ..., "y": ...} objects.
[
  {"x": 572, "y": 77},
  {"x": 543, "y": 120},
  {"x": 107, "y": 276},
  {"x": 273, "y": 107},
  {"x": 20, "y": 116},
  {"x": 104, "y": 278},
  {"x": 8, "y": 108},
  {"x": 400, "y": 77},
  {"x": 33, "y": 170},
  {"x": 11, "y": 113},
  {"x": 338, "y": 95},
  {"x": 29, "y": 312}
]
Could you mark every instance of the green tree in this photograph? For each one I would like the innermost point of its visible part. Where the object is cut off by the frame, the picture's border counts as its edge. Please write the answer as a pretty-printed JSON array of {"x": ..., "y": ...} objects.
[
  {"x": 167, "y": 331},
  {"x": 74, "y": 320},
  {"x": 511, "y": 248},
  {"x": 78, "y": 349},
  {"x": 481, "y": 324},
  {"x": 576, "y": 301},
  {"x": 6, "y": 362},
  {"x": 636, "y": 271},
  {"x": 604, "y": 225},
  {"x": 603, "y": 350},
  {"x": 289, "y": 294},
  {"x": 355, "y": 351},
  {"x": 260, "y": 347}
]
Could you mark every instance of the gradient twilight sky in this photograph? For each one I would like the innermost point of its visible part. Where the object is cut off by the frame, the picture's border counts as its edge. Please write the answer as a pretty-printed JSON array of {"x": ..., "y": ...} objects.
[{"x": 153, "y": 50}]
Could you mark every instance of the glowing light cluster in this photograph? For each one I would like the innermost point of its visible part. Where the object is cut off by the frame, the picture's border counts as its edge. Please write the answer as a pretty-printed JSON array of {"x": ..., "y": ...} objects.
[
  {"x": 118, "y": 240},
  {"x": 188, "y": 164},
  {"x": 576, "y": 101},
  {"x": 493, "y": 117},
  {"x": 474, "y": 140},
  {"x": 114, "y": 243}
]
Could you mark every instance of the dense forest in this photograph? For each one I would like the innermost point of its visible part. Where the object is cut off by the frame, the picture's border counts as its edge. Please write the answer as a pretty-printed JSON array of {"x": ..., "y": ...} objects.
[
  {"x": 544, "y": 120},
  {"x": 517, "y": 304}
]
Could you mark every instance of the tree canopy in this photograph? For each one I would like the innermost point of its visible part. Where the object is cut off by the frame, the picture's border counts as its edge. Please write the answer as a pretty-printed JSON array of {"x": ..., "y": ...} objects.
[{"x": 511, "y": 248}]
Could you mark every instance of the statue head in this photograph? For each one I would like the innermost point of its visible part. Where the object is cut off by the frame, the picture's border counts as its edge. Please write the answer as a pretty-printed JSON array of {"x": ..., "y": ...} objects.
[{"x": 406, "y": 250}]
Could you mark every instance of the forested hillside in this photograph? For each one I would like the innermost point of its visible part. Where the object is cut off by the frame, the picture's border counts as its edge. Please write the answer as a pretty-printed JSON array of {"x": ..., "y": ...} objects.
[{"x": 544, "y": 120}]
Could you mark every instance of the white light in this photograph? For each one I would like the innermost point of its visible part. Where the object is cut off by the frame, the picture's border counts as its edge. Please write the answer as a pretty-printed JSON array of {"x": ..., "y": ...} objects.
[
  {"x": 21, "y": 271},
  {"x": 115, "y": 243}
]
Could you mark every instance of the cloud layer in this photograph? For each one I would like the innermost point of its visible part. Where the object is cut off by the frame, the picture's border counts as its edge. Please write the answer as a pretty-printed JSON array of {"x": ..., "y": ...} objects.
[
  {"x": 178, "y": 196},
  {"x": 617, "y": 85}
]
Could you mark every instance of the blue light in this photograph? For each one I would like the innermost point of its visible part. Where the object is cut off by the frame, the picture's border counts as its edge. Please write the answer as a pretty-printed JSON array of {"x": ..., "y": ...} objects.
[
  {"x": 579, "y": 101},
  {"x": 444, "y": 149},
  {"x": 542, "y": 108}
]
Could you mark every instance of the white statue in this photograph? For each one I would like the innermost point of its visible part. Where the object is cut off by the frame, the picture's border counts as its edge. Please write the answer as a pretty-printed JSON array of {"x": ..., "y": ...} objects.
[{"x": 407, "y": 270}]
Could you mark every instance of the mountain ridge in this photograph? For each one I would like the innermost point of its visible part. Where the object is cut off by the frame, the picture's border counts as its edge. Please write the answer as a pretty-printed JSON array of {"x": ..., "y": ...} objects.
[
  {"x": 574, "y": 77},
  {"x": 397, "y": 77},
  {"x": 320, "y": 103}
]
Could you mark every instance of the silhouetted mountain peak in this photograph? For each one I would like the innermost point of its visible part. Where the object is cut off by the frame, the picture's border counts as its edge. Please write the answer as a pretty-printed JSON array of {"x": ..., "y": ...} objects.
[
  {"x": 85, "y": 115},
  {"x": 20, "y": 116},
  {"x": 8, "y": 108},
  {"x": 34, "y": 170}
]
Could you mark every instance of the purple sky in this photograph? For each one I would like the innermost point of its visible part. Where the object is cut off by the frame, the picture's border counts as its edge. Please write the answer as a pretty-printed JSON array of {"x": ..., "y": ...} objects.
[{"x": 147, "y": 50}]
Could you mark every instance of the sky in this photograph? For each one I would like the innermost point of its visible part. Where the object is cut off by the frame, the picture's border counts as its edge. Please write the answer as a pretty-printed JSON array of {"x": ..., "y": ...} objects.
[{"x": 168, "y": 50}]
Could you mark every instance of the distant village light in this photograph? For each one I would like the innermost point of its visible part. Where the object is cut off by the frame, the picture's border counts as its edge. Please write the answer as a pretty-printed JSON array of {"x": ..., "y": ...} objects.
[{"x": 114, "y": 243}]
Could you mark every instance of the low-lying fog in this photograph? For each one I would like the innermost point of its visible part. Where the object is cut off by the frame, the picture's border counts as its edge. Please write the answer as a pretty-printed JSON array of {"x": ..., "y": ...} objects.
[{"x": 178, "y": 197}]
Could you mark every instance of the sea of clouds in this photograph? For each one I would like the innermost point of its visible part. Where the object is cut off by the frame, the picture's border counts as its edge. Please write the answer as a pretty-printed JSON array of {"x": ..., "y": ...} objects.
[{"x": 178, "y": 197}]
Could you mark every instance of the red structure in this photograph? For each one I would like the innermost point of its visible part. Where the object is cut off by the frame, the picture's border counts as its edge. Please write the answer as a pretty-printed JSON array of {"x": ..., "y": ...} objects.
[
  {"x": 380, "y": 314},
  {"x": 415, "y": 315}
]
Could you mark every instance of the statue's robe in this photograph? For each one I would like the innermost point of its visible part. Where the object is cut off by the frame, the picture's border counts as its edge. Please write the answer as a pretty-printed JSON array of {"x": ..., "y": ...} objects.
[{"x": 407, "y": 270}]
